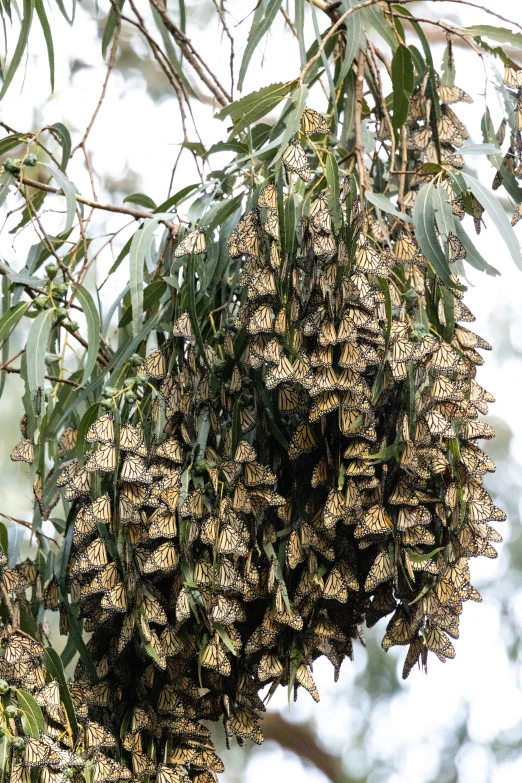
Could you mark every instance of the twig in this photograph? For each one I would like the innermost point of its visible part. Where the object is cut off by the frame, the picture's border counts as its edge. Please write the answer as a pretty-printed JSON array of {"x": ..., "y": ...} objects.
[
  {"x": 289, "y": 22},
  {"x": 333, "y": 29},
  {"x": 29, "y": 527},
  {"x": 139, "y": 214},
  {"x": 110, "y": 66},
  {"x": 222, "y": 17},
  {"x": 54, "y": 378},
  {"x": 210, "y": 80},
  {"x": 359, "y": 146},
  {"x": 468, "y": 3}
]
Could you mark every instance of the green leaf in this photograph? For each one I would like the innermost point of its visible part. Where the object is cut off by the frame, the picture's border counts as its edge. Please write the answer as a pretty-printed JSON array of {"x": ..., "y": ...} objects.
[
  {"x": 141, "y": 199},
  {"x": 48, "y": 36},
  {"x": 259, "y": 27},
  {"x": 32, "y": 712},
  {"x": 479, "y": 149},
  {"x": 37, "y": 343},
  {"x": 68, "y": 191},
  {"x": 385, "y": 205},
  {"x": 151, "y": 295},
  {"x": 354, "y": 40},
  {"x": 499, "y": 34},
  {"x": 139, "y": 246},
  {"x": 110, "y": 27},
  {"x": 299, "y": 26},
  {"x": 10, "y": 142},
  {"x": 473, "y": 256},
  {"x": 293, "y": 120},
  {"x": 9, "y": 319},
  {"x": 227, "y": 146},
  {"x": 444, "y": 217},
  {"x": 54, "y": 666},
  {"x": 424, "y": 224},
  {"x": 65, "y": 140},
  {"x": 5, "y": 750},
  {"x": 21, "y": 45},
  {"x": 374, "y": 17},
  {"x": 255, "y": 105},
  {"x": 92, "y": 317},
  {"x": 332, "y": 178},
  {"x": 403, "y": 81},
  {"x": 498, "y": 216},
  {"x": 177, "y": 198},
  {"x": 219, "y": 212},
  {"x": 192, "y": 310},
  {"x": 116, "y": 363}
]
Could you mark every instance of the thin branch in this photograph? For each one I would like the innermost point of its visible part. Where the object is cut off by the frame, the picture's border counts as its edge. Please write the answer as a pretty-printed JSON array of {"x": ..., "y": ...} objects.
[
  {"x": 54, "y": 378},
  {"x": 110, "y": 66},
  {"x": 222, "y": 16},
  {"x": 139, "y": 214},
  {"x": 359, "y": 146},
  {"x": 468, "y": 3},
  {"x": 192, "y": 56},
  {"x": 331, "y": 32}
]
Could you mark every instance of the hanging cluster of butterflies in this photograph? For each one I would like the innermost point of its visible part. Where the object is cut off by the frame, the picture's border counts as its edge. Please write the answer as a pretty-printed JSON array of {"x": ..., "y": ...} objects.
[
  {"x": 313, "y": 469},
  {"x": 512, "y": 160}
]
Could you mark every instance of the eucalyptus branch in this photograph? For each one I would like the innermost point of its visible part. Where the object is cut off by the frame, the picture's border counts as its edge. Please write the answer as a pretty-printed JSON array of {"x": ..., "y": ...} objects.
[
  {"x": 208, "y": 78},
  {"x": 139, "y": 214}
]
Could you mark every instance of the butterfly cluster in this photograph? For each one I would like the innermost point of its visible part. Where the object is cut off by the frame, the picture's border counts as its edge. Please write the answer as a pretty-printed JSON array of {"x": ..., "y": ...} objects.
[{"x": 310, "y": 468}]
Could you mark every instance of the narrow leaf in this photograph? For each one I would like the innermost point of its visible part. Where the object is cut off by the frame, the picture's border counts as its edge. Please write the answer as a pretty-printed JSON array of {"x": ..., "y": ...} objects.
[
  {"x": 257, "y": 31},
  {"x": 48, "y": 36},
  {"x": 138, "y": 251},
  {"x": 497, "y": 215},
  {"x": 92, "y": 317},
  {"x": 403, "y": 81},
  {"x": 37, "y": 342},
  {"x": 68, "y": 191},
  {"x": 16, "y": 59},
  {"x": 385, "y": 205},
  {"x": 65, "y": 140},
  {"x": 424, "y": 224}
]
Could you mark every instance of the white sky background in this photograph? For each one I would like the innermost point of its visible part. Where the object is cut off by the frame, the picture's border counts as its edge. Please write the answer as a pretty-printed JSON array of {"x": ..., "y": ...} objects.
[{"x": 134, "y": 133}]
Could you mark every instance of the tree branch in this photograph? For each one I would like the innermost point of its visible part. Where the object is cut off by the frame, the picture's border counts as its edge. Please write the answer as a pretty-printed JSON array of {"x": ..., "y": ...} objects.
[{"x": 139, "y": 214}]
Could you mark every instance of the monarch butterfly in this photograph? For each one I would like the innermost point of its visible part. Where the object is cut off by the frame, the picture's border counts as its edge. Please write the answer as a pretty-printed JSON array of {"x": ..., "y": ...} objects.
[
  {"x": 36, "y": 753},
  {"x": 163, "y": 524},
  {"x": 260, "y": 320},
  {"x": 320, "y": 216},
  {"x": 100, "y": 509},
  {"x": 294, "y": 159},
  {"x": 381, "y": 571},
  {"x": 303, "y": 677},
  {"x": 262, "y": 283},
  {"x": 269, "y": 667},
  {"x": 271, "y": 227},
  {"x": 376, "y": 520},
  {"x": 227, "y": 611},
  {"x": 164, "y": 558},
  {"x": 417, "y": 652},
  {"x": 93, "y": 557},
  {"x": 155, "y": 365},
  {"x": 438, "y": 642},
  {"x": 165, "y": 774},
  {"x": 214, "y": 657},
  {"x": 512, "y": 76},
  {"x": 334, "y": 508},
  {"x": 133, "y": 470},
  {"x": 420, "y": 139},
  {"x": 398, "y": 631},
  {"x": 49, "y": 698},
  {"x": 302, "y": 442},
  {"x": 23, "y": 451},
  {"x": 193, "y": 505},
  {"x": 131, "y": 438},
  {"x": 268, "y": 197},
  {"x": 80, "y": 484},
  {"x": 101, "y": 430},
  {"x": 20, "y": 774},
  {"x": 195, "y": 242},
  {"x": 51, "y": 595},
  {"x": 453, "y": 95},
  {"x": 244, "y": 725},
  {"x": 324, "y": 247},
  {"x": 372, "y": 261},
  {"x": 103, "y": 459},
  {"x": 83, "y": 528},
  {"x": 313, "y": 122},
  {"x": 254, "y": 473},
  {"x": 96, "y": 736},
  {"x": 115, "y": 599}
]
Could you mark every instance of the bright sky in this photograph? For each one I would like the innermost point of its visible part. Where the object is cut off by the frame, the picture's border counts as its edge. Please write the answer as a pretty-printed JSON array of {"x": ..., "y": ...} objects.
[{"x": 133, "y": 133}]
